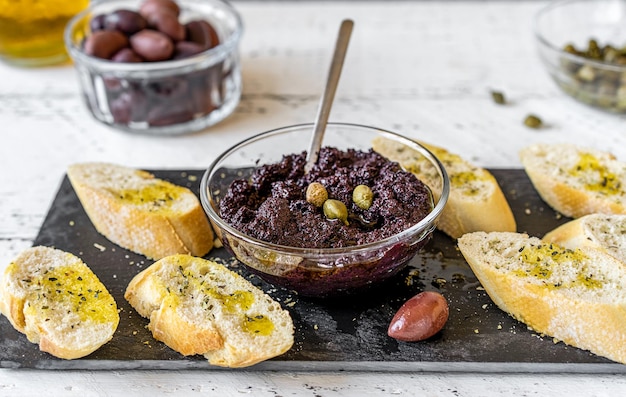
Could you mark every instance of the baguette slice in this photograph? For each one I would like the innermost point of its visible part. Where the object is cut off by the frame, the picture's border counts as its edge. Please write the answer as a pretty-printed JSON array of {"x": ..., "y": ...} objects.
[
  {"x": 139, "y": 212},
  {"x": 576, "y": 296},
  {"x": 576, "y": 181},
  {"x": 475, "y": 203},
  {"x": 196, "y": 306},
  {"x": 600, "y": 231},
  {"x": 58, "y": 302}
]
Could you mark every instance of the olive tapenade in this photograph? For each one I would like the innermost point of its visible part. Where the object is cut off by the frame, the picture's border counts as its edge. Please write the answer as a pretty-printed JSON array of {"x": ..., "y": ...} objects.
[{"x": 272, "y": 204}]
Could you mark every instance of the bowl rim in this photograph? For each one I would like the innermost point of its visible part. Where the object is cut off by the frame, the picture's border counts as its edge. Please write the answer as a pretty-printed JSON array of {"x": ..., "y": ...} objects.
[
  {"x": 552, "y": 47},
  {"x": 423, "y": 227},
  {"x": 212, "y": 55}
]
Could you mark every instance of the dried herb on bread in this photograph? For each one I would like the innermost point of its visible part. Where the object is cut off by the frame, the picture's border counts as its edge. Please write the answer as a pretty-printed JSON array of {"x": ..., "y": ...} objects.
[
  {"x": 142, "y": 213},
  {"x": 197, "y": 306},
  {"x": 577, "y": 296},
  {"x": 475, "y": 203},
  {"x": 576, "y": 181},
  {"x": 58, "y": 302}
]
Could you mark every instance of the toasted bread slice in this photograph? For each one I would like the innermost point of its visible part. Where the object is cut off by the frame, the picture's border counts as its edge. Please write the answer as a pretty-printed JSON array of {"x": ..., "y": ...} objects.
[
  {"x": 576, "y": 181},
  {"x": 576, "y": 296},
  {"x": 58, "y": 302},
  {"x": 196, "y": 306},
  {"x": 475, "y": 203},
  {"x": 142, "y": 213},
  {"x": 600, "y": 231}
]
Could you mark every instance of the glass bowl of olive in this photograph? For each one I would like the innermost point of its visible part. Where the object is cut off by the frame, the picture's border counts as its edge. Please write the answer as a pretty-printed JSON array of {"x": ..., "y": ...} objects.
[
  {"x": 351, "y": 221},
  {"x": 157, "y": 67},
  {"x": 582, "y": 43}
]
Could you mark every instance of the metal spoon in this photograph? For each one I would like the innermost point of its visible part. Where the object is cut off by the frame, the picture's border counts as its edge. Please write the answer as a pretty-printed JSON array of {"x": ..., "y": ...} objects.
[{"x": 341, "y": 47}]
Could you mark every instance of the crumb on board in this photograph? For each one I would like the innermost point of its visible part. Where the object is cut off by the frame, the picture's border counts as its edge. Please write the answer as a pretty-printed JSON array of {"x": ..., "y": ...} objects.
[
  {"x": 439, "y": 282},
  {"x": 72, "y": 223},
  {"x": 101, "y": 247},
  {"x": 410, "y": 278}
]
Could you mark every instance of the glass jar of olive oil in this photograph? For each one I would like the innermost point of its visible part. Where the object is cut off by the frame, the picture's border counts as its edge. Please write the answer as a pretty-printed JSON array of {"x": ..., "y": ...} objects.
[{"x": 31, "y": 31}]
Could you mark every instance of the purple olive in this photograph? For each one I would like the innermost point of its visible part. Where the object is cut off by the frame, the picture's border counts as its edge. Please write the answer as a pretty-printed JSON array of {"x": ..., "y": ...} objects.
[
  {"x": 184, "y": 49},
  {"x": 170, "y": 113},
  {"x": 203, "y": 33},
  {"x": 126, "y": 55},
  {"x": 152, "y": 45},
  {"x": 105, "y": 43},
  {"x": 150, "y": 6},
  {"x": 97, "y": 23},
  {"x": 167, "y": 22},
  {"x": 126, "y": 21}
]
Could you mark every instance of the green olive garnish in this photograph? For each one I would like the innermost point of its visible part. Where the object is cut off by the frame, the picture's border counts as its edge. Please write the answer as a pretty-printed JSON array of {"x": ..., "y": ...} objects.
[
  {"x": 362, "y": 196},
  {"x": 335, "y": 209}
]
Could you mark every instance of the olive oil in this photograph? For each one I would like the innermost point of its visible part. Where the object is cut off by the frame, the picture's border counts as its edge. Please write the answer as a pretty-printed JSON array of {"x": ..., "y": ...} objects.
[{"x": 31, "y": 31}]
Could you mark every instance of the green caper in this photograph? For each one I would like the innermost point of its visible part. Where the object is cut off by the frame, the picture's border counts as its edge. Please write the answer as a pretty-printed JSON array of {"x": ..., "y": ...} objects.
[
  {"x": 586, "y": 73},
  {"x": 335, "y": 209},
  {"x": 498, "y": 97},
  {"x": 362, "y": 196},
  {"x": 316, "y": 194},
  {"x": 532, "y": 121}
]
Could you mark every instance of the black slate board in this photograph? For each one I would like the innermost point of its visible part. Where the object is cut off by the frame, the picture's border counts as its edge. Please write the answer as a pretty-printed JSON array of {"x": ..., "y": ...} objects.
[{"x": 333, "y": 334}]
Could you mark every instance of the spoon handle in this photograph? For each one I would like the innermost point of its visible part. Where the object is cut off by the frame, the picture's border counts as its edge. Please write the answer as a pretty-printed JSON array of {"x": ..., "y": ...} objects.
[{"x": 341, "y": 47}]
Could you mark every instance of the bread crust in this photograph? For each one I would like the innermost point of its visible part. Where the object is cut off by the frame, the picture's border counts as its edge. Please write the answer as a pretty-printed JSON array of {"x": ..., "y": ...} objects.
[
  {"x": 590, "y": 317},
  {"x": 576, "y": 181},
  {"x": 196, "y": 306},
  {"x": 187, "y": 338},
  {"x": 476, "y": 201},
  {"x": 153, "y": 233},
  {"x": 36, "y": 303}
]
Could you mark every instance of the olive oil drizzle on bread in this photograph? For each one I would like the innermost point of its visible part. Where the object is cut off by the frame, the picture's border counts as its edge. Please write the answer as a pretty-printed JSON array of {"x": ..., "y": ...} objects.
[
  {"x": 58, "y": 302},
  {"x": 476, "y": 202},
  {"x": 577, "y": 296},
  {"x": 137, "y": 211},
  {"x": 197, "y": 306},
  {"x": 576, "y": 181}
]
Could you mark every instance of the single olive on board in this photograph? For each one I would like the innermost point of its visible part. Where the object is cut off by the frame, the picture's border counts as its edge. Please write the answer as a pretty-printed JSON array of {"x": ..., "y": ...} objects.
[{"x": 420, "y": 317}]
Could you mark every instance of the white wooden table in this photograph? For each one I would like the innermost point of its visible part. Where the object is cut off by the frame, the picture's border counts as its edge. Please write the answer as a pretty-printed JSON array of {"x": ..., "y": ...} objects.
[{"x": 424, "y": 69}]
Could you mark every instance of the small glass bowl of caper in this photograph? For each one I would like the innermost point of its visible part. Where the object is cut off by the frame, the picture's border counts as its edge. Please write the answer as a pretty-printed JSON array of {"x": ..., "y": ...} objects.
[
  {"x": 319, "y": 271},
  {"x": 582, "y": 43}
]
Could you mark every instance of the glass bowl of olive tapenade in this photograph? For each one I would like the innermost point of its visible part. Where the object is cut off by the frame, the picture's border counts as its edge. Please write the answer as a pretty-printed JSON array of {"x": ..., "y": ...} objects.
[
  {"x": 583, "y": 46},
  {"x": 353, "y": 220}
]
